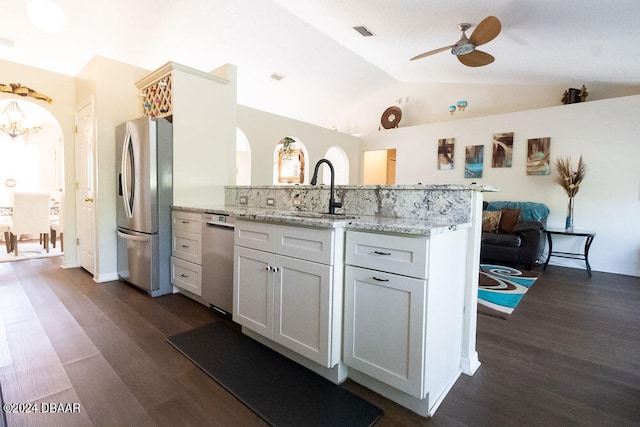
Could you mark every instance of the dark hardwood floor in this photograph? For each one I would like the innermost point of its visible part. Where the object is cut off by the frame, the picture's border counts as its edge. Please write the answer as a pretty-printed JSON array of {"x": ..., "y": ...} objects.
[{"x": 569, "y": 355}]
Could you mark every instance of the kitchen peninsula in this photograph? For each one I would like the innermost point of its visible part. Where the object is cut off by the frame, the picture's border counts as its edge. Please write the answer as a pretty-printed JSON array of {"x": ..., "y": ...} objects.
[{"x": 383, "y": 291}]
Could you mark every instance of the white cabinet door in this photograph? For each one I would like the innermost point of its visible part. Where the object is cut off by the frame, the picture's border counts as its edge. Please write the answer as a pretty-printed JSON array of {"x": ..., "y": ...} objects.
[
  {"x": 253, "y": 290},
  {"x": 303, "y": 308},
  {"x": 384, "y": 327}
]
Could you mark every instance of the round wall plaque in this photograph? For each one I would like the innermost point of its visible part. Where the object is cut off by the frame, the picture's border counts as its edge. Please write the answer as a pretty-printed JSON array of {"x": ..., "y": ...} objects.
[{"x": 391, "y": 117}]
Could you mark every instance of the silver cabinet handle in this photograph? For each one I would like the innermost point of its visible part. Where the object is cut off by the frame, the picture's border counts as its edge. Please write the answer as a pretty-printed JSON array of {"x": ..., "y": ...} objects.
[
  {"x": 381, "y": 253},
  {"x": 379, "y": 279},
  {"x": 185, "y": 246},
  {"x": 269, "y": 268},
  {"x": 276, "y": 269},
  {"x": 184, "y": 275}
]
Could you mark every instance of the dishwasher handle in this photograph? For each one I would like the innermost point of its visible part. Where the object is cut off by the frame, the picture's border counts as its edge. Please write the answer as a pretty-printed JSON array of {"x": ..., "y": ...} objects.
[{"x": 219, "y": 224}]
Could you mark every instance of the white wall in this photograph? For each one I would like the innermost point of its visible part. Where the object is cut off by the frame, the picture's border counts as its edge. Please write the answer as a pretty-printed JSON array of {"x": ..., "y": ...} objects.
[
  {"x": 265, "y": 130},
  {"x": 204, "y": 135},
  {"x": 111, "y": 83},
  {"x": 423, "y": 103},
  {"x": 604, "y": 132}
]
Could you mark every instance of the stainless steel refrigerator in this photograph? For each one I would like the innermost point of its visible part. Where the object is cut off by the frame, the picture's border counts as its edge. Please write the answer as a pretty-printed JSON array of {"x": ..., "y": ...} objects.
[{"x": 144, "y": 158}]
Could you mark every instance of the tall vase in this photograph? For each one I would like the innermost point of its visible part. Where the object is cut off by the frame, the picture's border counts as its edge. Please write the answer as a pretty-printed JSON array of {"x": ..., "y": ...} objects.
[{"x": 569, "y": 220}]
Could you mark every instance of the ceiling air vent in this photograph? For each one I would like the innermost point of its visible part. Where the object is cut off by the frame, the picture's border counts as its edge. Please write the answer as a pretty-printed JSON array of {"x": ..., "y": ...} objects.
[
  {"x": 364, "y": 31},
  {"x": 276, "y": 76}
]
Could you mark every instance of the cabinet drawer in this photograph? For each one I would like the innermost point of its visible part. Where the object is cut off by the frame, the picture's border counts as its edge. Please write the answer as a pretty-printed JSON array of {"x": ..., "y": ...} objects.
[
  {"x": 256, "y": 235},
  {"x": 187, "y": 246},
  {"x": 186, "y": 221},
  {"x": 305, "y": 243},
  {"x": 403, "y": 255},
  {"x": 186, "y": 275}
]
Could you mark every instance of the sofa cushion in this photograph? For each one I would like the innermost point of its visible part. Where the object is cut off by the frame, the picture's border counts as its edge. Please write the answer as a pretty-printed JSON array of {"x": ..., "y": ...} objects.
[
  {"x": 491, "y": 221},
  {"x": 531, "y": 211},
  {"x": 523, "y": 226},
  {"x": 508, "y": 220},
  {"x": 501, "y": 239}
]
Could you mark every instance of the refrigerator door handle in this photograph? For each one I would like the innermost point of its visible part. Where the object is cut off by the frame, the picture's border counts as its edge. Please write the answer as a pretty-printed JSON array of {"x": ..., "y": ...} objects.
[
  {"x": 134, "y": 237},
  {"x": 128, "y": 174}
]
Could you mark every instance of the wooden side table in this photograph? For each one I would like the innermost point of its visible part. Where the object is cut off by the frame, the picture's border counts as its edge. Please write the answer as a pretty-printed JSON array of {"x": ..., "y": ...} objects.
[{"x": 590, "y": 235}]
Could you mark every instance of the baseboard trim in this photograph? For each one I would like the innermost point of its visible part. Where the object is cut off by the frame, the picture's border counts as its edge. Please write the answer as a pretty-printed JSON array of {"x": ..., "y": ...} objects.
[
  {"x": 107, "y": 277},
  {"x": 469, "y": 365}
]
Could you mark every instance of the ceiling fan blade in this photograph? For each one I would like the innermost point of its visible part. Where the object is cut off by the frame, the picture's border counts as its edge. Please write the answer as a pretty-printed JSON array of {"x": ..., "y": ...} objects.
[
  {"x": 431, "y": 52},
  {"x": 486, "y": 31},
  {"x": 477, "y": 58}
]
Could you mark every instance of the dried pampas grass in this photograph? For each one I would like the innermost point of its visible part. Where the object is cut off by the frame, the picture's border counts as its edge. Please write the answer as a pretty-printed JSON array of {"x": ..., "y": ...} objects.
[{"x": 568, "y": 178}]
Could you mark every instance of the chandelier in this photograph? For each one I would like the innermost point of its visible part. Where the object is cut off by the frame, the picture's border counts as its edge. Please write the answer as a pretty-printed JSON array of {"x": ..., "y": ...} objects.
[{"x": 14, "y": 123}]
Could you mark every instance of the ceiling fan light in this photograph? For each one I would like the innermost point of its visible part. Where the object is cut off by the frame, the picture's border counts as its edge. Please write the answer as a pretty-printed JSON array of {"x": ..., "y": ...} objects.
[{"x": 462, "y": 48}]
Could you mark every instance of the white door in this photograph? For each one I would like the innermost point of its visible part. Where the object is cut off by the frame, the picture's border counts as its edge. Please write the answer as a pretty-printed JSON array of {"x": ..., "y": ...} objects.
[{"x": 85, "y": 172}]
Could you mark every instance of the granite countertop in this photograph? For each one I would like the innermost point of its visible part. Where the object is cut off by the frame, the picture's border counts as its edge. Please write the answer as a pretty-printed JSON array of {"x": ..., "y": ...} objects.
[{"x": 313, "y": 219}]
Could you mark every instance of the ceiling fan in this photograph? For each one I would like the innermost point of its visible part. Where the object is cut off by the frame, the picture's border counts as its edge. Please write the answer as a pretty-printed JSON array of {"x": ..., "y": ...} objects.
[{"x": 465, "y": 48}]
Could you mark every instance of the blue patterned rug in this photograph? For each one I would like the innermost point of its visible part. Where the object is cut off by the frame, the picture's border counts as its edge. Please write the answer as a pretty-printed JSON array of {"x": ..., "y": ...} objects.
[{"x": 500, "y": 289}]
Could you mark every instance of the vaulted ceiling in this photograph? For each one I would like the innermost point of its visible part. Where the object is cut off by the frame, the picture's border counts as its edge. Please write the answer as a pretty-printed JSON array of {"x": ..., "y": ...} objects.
[{"x": 326, "y": 64}]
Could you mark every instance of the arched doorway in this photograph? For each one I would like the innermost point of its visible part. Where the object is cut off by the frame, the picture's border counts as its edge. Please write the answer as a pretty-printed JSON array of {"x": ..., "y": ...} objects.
[
  {"x": 32, "y": 161},
  {"x": 289, "y": 163},
  {"x": 340, "y": 161}
]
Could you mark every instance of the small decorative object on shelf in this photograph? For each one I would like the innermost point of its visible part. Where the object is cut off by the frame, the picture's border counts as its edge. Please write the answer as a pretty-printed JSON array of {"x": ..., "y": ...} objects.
[
  {"x": 570, "y": 179},
  {"x": 460, "y": 106},
  {"x": 287, "y": 144},
  {"x": 572, "y": 95}
]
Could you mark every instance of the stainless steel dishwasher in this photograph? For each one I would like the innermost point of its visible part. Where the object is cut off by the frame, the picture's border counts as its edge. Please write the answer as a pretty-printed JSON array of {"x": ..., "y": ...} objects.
[{"x": 217, "y": 260}]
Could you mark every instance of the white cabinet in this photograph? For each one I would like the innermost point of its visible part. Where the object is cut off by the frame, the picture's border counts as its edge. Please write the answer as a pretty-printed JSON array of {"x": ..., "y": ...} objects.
[
  {"x": 203, "y": 110},
  {"x": 385, "y": 309},
  {"x": 403, "y": 313},
  {"x": 286, "y": 287},
  {"x": 186, "y": 251},
  {"x": 384, "y": 327}
]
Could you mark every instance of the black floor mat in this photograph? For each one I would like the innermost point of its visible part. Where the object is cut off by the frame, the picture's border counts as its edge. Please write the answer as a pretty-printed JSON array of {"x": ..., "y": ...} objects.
[{"x": 276, "y": 388}]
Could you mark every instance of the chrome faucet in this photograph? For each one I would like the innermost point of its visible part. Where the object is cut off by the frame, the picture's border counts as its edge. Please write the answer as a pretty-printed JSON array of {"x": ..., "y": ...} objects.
[{"x": 332, "y": 203}]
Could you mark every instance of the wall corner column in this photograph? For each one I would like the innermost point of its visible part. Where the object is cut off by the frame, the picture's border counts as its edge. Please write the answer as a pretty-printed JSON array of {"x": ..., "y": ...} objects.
[{"x": 469, "y": 360}]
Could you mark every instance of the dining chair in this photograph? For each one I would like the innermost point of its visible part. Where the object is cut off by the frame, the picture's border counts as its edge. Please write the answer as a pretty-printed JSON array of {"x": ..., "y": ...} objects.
[
  {"x": 30, "y": 216},
  {"x": 56, "y": 226},
  {"x": 4, "y": 228}
]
